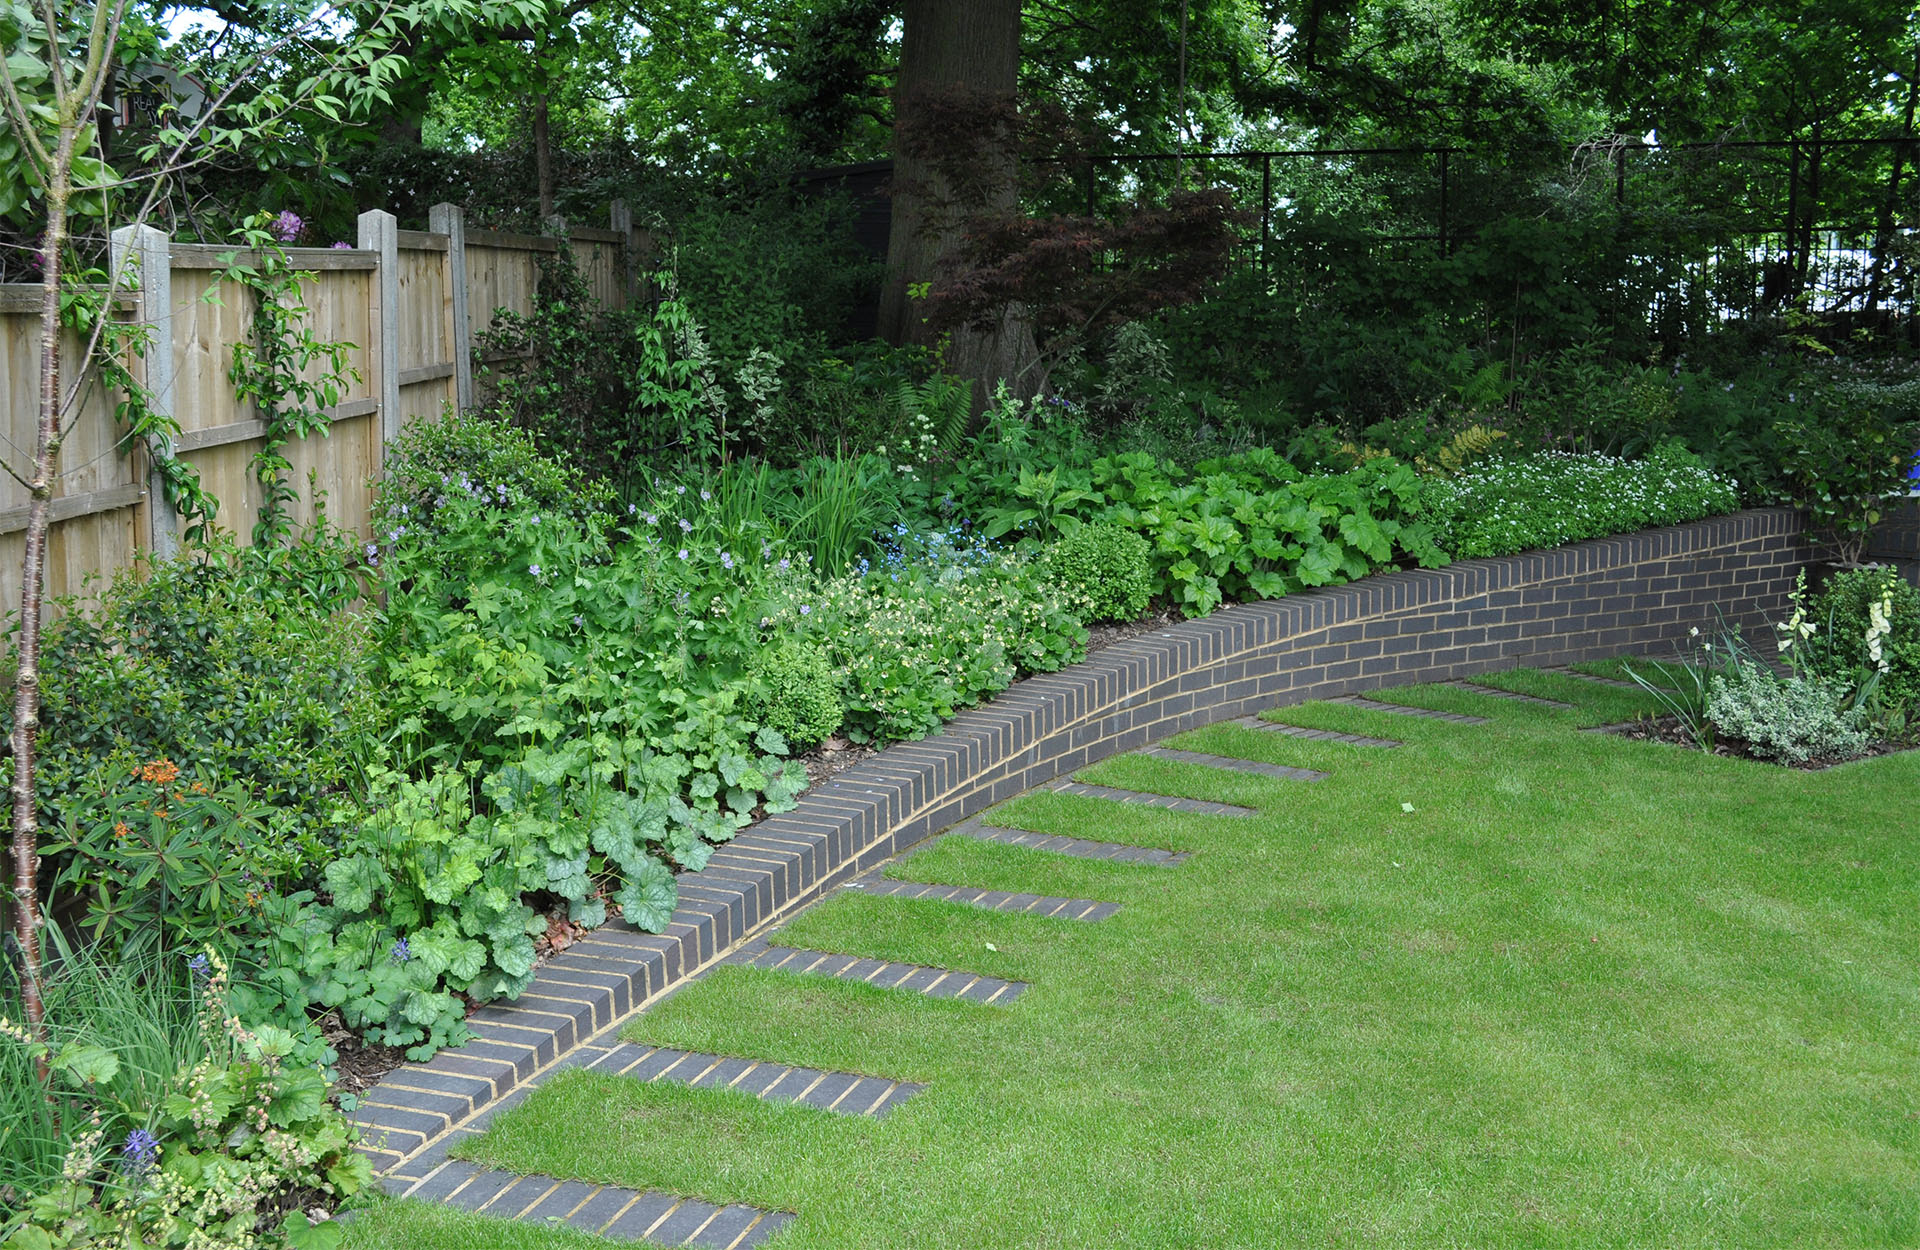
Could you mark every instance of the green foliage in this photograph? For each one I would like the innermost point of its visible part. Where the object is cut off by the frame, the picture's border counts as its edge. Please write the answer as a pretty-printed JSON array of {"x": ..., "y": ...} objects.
[
  {"x": 1842, "y": 459},
  {"x": 1551, "y": 498},
  {"x": 799, "y": 693},
  {"x": 1241, "y": 527},
  {"x": 1854, "y": 641},
  {"x": 1103, "y": 571},
  {"x": 934, "y": 629},
  {"x": 239, "y": 666},
  {"x": 290, "y": 376},
  {"x": 132, "y": 1011},
  {"x": 1792, "y": 719},
  {"x": 183, "y": 1128},
  {"x": 169, "y": 864}
]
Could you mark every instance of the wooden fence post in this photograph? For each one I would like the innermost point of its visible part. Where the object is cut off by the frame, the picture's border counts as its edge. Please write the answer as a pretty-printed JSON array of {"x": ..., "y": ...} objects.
[
  {"x": 620, "y": 221},
  {"x": 451, "y": 220},
  {"x": 380, "y": 233},
  {"x": 146, "y": 254}
]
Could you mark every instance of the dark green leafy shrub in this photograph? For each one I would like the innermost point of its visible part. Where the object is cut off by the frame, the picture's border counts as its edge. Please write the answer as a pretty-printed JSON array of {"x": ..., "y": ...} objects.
[
  {"x": 799, "y": 693},
  {"x": 481, "y": 462},
  {"x": 231, "y": 673},
  {"x": 1103, "y": 571},
  {"x": 1842, "y": 458}
]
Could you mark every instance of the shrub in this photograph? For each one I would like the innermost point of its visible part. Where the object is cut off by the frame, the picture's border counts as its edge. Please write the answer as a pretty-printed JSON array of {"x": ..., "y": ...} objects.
[
  {"x": 1844, "y": 614},
  {"x": 486, "y": 467},
  {"x": 799, "y": 693},
  {"x": 247, "y": 686},
  {"x": 1507, "y": 506},
  {"x": 1103, "y": 571},
  {"x": 1792, "y": 719},
  {"x": 936, "y": 628}
]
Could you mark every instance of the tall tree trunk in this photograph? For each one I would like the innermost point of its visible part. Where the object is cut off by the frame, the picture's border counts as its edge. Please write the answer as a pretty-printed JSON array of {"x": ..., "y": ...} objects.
[
  {"x": 948, "y": 44},
  {"x": 543, "y": 155}
]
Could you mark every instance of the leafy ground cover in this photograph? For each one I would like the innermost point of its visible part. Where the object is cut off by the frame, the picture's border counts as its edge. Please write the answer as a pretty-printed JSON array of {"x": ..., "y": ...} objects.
[{"x": 1507, "y": 985}]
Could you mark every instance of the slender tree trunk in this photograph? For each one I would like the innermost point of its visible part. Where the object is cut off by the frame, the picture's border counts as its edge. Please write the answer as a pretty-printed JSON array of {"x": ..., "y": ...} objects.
[
  {"x": 949, "y": 44},
  {"x": 543, "y": 154},
  {"x": 26, "y": 687}
]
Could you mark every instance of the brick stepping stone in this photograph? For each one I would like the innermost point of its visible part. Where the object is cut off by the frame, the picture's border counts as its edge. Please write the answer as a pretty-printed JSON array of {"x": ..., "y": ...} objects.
[
  {"x": 607, "y": 1210},
  {"x": 1141, "y": 798},
  {"x": 1400, "y": 709},
  {"x": 1315, "y": 735},
  {"x": 1496, "y": 692},
  {"x": 1235, "y": 765},
  {"x": 1084, "y": 848},
  {"x": 848, "y": 1093},
  {"x": 1597, "y": 680},
  {"x": 992, "y": 900},
  {"x": 933, "y": 982}
]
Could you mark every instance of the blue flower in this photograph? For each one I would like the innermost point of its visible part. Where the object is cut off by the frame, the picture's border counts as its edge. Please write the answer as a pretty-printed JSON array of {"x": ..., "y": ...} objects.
[
  {"x": 686, "y": 526},
  {"x": 534, "y": 569},
  {"x": 141, "y": 1151},
  {"x": 805, "y": 610},
  {"x": 683, "y": 553},
  {"x": 726, "y": 560},
  {"x": 199, "y": 967},
  {"x": 401, "y": 952}
]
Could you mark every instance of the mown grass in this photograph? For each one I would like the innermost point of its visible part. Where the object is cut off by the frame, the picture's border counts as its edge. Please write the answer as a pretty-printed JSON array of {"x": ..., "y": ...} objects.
[{"x": 1587, "y": 992}]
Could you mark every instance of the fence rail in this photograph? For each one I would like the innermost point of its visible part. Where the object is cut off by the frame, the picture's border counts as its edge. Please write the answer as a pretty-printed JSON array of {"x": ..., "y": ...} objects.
[{"x": 410, "y": 303}]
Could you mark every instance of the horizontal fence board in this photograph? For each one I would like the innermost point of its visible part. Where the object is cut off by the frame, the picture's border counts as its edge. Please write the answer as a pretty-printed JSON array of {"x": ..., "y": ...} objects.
[
  {"x": 510, "y": 241},
  {"x": 426, "y": 373},
  {"x": 220, "y": 256},
  {"x": 420, "y": 241},
  {"x": 72, "y": 507}
]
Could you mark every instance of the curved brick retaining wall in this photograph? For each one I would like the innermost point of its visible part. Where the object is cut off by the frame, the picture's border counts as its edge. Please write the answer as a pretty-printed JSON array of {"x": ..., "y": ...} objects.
[{"x": 1634, "y": 593}]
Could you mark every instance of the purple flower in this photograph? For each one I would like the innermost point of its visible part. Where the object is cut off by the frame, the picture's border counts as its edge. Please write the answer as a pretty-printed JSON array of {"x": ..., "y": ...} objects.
[
  {"x": 726, "y": 560},
  {"x": 199, "y": 967},
  {"x": 686, "y": 526},
  {"x": 650, "y": 518},
  {"x": 534, "y": 569},
  {"x": 343, "y": 245},
  {"x": 683, "y": 553},
  {"x": 141, "y": 1152},
  {"x": 401, "y": 952},
  {"x": 705, "y": 496},
  {"x": 287, "y": 226},
  {"x": 536, "y": 518},
  {"x": 805, "y": 610}
]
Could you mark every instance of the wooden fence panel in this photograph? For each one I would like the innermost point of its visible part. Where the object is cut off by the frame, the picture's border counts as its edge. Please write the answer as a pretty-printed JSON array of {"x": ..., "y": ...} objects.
[
  {"x": 96, "y": 498},
  {"x": 407, "y": 356}
]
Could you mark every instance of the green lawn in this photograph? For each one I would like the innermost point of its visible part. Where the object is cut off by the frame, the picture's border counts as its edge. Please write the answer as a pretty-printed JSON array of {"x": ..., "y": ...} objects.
[{"x": 1588, "y": 992}]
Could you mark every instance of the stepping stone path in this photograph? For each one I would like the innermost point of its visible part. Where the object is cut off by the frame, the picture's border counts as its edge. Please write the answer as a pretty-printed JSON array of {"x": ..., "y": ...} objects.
[
  {"x": 1496, "y": 692},
  {"x": 1235, "y": 765},
  {"x": 847, "y": 1093},
  {"x": 1314, "y": 735},
  {"x": 1140, "y": 798},
  {"x": 1119, "y": 852},
  {"x": 933, "y": 982},
  {"x": 1597, "y": 680},
  {"x": 1399, "y": 709},
  {"x": 992, "y": 900},
  {"x": 610, "y": 1211}
]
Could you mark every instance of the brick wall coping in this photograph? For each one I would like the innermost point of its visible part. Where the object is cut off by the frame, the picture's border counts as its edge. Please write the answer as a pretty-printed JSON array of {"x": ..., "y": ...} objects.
[{"x": 1610, "y": 596}]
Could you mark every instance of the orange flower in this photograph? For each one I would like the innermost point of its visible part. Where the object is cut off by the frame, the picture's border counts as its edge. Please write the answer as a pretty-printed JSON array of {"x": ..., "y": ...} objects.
[
  {"x": 160, "y": 772},
  {"x": 120, "y": 829}
]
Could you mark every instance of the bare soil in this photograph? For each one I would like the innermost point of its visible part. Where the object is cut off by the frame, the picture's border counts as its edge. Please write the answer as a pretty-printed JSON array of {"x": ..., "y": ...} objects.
[{"x": 1668, "y": 729}]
